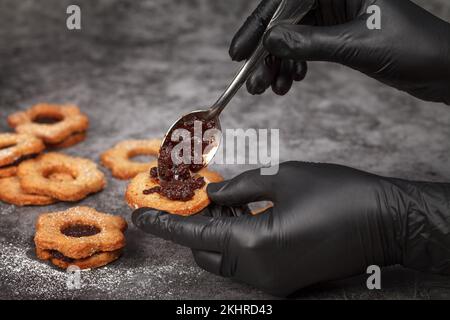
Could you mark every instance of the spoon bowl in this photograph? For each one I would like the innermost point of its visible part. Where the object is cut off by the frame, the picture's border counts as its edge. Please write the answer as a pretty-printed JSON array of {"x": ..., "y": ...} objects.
[{"x": 213, "y": 138}]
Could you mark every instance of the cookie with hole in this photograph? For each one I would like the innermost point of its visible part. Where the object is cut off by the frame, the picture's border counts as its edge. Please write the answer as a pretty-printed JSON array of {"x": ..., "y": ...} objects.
[
  {"x": 119, "y": 159},
  {"x": 35, "y": 176},
  {"x": 79, "y": 233},
  {"x": 52, "y": 123}
]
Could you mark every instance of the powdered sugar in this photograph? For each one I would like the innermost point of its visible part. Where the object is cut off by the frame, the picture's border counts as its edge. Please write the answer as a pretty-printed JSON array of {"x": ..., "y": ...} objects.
[{"x": 23, "y": 276}]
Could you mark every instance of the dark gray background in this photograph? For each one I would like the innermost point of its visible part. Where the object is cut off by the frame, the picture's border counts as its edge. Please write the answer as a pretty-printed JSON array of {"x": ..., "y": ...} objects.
[{"x": 134, "y": 68}]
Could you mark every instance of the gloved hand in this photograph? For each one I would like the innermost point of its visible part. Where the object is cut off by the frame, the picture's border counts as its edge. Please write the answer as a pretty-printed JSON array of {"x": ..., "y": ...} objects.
[
  {"x": 411, "y": 52},
  {"x": 328, "y": 222}
]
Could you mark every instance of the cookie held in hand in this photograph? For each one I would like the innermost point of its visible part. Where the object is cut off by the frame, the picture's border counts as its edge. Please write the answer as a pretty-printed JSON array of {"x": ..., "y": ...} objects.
[{"x": 137, "y": 197}]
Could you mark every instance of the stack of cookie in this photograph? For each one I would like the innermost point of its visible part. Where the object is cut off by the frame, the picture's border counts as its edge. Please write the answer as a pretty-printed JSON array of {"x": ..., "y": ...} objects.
[
  {"x": 27, "y": 178},
  {"x": 79, "y": 236},
  {"x": 14, "y": 148},
  {"x": 59, "y": 126}
]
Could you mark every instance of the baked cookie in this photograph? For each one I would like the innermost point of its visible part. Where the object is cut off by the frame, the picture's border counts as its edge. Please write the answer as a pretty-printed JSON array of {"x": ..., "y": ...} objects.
[
  {"x": 137, "y": 197},
  {"x": 52, "y": 123},
  {"x": 14, "y": 147},
  {"x": 12, "y": 193},
  {"x": 118, "y": 159},
  {"x": 34, "y": 176},
  {"x": 79, "y": 236}
]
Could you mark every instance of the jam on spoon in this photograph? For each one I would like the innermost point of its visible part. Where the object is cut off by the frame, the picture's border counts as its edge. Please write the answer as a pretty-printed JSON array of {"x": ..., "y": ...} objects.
[{"x": 179, "y": 181}]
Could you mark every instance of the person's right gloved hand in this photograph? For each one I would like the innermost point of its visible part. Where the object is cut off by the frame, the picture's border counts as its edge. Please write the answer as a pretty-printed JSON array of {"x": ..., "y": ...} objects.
[
  {"x": 411, "y": 52},
  {"x": 328, "y": 222}
]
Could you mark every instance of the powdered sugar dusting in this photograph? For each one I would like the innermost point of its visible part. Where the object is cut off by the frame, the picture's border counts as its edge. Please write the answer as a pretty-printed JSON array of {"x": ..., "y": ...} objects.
[{"x": 27, "y": 277}]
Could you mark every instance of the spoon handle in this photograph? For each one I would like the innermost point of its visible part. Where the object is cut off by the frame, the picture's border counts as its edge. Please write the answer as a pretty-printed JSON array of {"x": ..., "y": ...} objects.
[{"x": 289, "y": 11}]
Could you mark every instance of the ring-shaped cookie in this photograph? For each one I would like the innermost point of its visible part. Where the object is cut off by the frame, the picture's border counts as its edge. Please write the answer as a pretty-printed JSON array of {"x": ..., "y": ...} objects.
[
  {"x": 119, "y": 158},
  {"x": 70, "y": 121},
  {"x": 15, "y": 146},
  {"x": 136, "y": 198},
  {"x": 50, "y": 227},
  {"x": 35, "y": 176}
]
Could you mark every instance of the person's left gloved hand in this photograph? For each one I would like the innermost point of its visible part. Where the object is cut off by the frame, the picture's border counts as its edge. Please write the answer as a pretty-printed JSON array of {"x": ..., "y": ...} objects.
[{"x": 328, "y": 222}]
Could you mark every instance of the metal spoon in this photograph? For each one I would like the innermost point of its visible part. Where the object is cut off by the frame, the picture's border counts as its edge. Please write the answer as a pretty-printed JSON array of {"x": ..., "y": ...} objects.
[{"x": 289, "y": 11}]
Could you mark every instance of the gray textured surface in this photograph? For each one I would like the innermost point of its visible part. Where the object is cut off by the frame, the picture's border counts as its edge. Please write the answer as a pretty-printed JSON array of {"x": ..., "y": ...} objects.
[{"x": 137, "y": 65}]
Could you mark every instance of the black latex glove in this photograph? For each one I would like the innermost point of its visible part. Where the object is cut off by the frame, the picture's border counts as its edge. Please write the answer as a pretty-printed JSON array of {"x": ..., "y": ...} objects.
[
  {"x": 328, "y": 222},
  {"x": 411, "y": 52}
]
